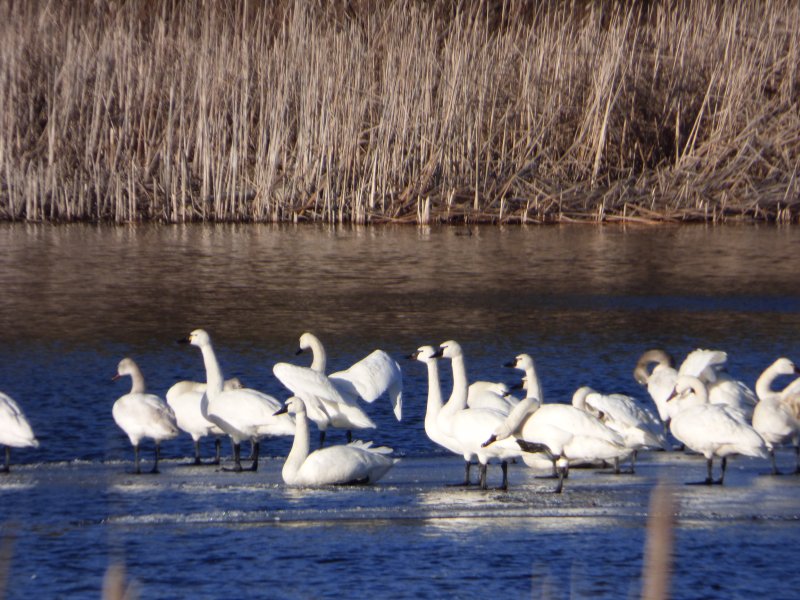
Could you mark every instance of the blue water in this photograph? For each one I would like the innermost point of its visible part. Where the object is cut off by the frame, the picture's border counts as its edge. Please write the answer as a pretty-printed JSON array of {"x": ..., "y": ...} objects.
[{"x": 585, "y": 302}]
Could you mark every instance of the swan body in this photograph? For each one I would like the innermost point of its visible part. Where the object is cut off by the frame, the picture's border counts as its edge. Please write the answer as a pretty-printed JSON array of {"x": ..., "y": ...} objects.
[
  {"x": 15, "y": 431},
  {"x": 142, "y": 415},
  {"x": 244, "y": 413},
  {"x": 355, "y": 463},
  {"x": 776, "y": 417},
  {"x": 712, "y": 430},
  {"x": 185, "y": 399},
  {"x": 637, "y": 426},
  {"x": 368, "y": 379},
  {"x": 470, "y": 427},
  {"x": 489, "y": 394}
]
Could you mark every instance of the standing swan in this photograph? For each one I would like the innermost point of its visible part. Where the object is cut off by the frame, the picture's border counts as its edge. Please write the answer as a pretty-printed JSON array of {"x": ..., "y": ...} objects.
[
  {"x": 355, "y": 463},
  {"x": 777, "y": 415},
  {"x": 660, "y": 380},
  {"x": 185, "y": 399},
  {"x": 710, "y": 429},
  {"x": 244, "y": 413},
  {"x": 142, "y": 415},
  {"x": 15, "y": 431}
]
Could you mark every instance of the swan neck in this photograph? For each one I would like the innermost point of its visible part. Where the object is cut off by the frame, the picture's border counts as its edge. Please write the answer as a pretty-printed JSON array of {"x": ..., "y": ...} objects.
[
  {"x": 319, "y": 361},
  {"x": 300, "y": 447},
  {"x": 458, "y": 397},
  {"x": 214, "y": 377},
  {"x": 434, "y": 391},
  {"x": 764, "y": 384},
  {"x": 137, "y": 381},
  {"x": 534, "y": 385}
]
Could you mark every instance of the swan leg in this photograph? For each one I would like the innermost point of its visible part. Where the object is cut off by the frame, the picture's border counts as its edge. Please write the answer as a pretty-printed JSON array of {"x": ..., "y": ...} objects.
[
  {"x": 321, "y": 438},
  {"x": 256, "y": 451},
  {"x": 483, "y": 475},
  {"x": 616, "y": 465},
  {"x": 217, "y": 451},
  {"x": 774, "y": 463},
  {"x": 797, "y": 460},
  {"x": 466, "y": 481},
  {"x": 561, "y": 475},
  {"x": 721, "y": 479},
  {"x": 237, "y": 458},
  {"x": 349, "y": 436},
  {"x": 136, "y": 468},
  {"x": 504, "y": 468},
  {"x": 157, "y": 456},
  {"x": 7, "y": 467},
  {"x": 197, "y": 460},
  {"x": 633, "y": 461}
]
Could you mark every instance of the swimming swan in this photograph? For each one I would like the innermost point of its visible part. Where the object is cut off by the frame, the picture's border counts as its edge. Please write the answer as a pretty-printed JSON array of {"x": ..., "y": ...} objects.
[
  {"x": 243, "y": 414},
  {"x": 776, "y": 417},
  {"x": 470, "y": 427},
  {"x": 142, "y": 415},
  {"x": 185, "y": 398},
  {"x": 638, "y": 427},
  {"x": 355, "y": 463},
  {"x": 15, "y": 431},
  {"x": 713, "y": 430}
]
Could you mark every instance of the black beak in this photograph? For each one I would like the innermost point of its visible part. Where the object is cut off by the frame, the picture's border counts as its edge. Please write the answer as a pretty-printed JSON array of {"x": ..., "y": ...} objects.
[
  {"x": 299, "y": 351},
  {"x": 185, "y": 340},
  {"x": 439, "y": 353},
  {"x": 492, "y": 439},
  {"x": 281, "y": 411},
  {"x": 510, "y": 364},
  {"x": 674, "y": 394},
  {"x": 412, "y": 356}
]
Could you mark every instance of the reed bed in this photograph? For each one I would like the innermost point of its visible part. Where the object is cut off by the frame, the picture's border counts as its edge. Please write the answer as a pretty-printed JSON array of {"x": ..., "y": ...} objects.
[{"x": 399, "y": 111}]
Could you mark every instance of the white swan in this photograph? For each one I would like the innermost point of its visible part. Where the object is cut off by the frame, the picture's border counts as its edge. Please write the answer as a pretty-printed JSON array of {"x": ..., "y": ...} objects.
[
  {"x": 565, "y": 433},
  {"x": 355, "y": 463},
  {"x": 142, "y": 415},
  {"x": 638, "y": 427},
  {"x": 709, "y": 367},
  {"x": 243, "y": 414},
  {"x": 776, "y": 417},
  {"x": 185, "y": 398},
  {"x": 713, "y": 430},
  {"x": 15, "y": 431},
  {"x": 660, "y": 380},
  {"x": 470, "y": 427},
  {"x": 491, "y": 394},
  {"x": 368, "y": 379}
]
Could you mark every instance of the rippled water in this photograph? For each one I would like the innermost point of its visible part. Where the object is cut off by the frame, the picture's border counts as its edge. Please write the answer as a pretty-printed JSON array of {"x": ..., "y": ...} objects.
[{"x": 584, "y": 301}]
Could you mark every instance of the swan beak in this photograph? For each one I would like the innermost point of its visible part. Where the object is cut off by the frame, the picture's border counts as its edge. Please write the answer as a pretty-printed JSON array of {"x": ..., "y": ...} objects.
[
  {"x": 673, "y": 395},
  {"x": 281, "y": 411},
  {"x": 298, "y": 351},
  {"x": 185, "y": 340},
  {"x": 439, "y": 353},
  {"x": 115, "y": 377},
  {"x": 492, "y": 439},
  {"x": 516, "y": 386},
  {"x": 412, "y": 356},
  {"x": 511, "y": 364}
]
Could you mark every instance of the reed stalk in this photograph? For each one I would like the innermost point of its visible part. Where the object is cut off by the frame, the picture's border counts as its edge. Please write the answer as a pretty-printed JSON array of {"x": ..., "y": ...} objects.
[{"x": 399, "y": 111}]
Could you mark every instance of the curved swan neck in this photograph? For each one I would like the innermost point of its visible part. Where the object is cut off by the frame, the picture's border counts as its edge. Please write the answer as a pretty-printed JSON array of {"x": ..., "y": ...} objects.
[
  {"x": 458, "y": 397},
  {"x": 319, "y": 360},
  {"x": 300, "y": 446},
  {"x": 534, "y": 385},
  {"x": 137, "y": 380},
  {"x": 214, "y": 379},
  {"x": 765, "y": 381}
]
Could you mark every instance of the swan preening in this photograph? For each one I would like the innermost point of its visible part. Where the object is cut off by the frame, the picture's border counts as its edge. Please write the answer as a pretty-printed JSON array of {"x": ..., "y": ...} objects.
[
  {"x": 776, "y": 417},
  {"x": 142, "y": 415},
  {"x": 356, "y": 463},
  {"x": 331, "y": 401},
  {"x": 15, "y": 431},
  {"x": 243, "y": 413}
]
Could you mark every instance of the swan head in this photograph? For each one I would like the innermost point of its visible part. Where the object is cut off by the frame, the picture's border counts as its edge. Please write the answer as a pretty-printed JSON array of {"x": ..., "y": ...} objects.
[
  {"x": 523, "y": 362},
  {"x": 307, "y": 341},
  {"x": 661, "y": 357},
  {"x": 293, "y": 405},
  {"x": 424, "y": 354},
  {"x": 198, "y": 337},
  {"x": 449, "y": 349},
  {"x": 580, "y": 395},
  {"x": 687, "y": 386},
  {"x": 126, "y": 366},
  {"x": 784, "y": 366}
]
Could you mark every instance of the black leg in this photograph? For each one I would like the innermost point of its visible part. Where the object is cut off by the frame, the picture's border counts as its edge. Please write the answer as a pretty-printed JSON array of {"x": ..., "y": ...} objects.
[
  {"x": 504, "y": 468},
  {"x": 721, "y": 479},
  {"x": 197, "y": 460},
  {"x": 710, "y": 471},
  {"x": 561, "y": 475},
  {"x": 217, "y": 450},
  {"x": 136, "y": 459},
  {"x": 256, "y": 450},
  {"x": 7, "y": 467},
  {"x": 633, "y": 461},
  {"x": 616, "y": 465},
  {"x": 483, "y": 476},
  {"x": 321, "y": 438},
  {"x": 237, "y": 458},
  {"x": 467, "y": 465},
  {"x": 349, "y": 436},
  {"x": 797, "y": 460},
  {"x": 774, "y": 463},
  {"x": 155, "y": 462}
]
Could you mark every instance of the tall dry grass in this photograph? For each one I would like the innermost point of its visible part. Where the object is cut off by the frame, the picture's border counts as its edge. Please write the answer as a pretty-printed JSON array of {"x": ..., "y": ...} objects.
[{"x": 372, "y": 111}]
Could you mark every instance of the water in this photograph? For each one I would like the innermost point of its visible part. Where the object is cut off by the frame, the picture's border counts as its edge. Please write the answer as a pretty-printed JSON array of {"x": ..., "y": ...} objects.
[{"x": 584, "y": 301}]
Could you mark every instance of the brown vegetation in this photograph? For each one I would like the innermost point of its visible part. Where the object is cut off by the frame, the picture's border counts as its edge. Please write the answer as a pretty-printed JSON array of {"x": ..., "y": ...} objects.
[{"x": 415, "y": 111}]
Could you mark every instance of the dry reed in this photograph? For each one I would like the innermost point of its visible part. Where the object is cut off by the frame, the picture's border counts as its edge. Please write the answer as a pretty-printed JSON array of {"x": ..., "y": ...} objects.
[{"x": 404, "y": 111}]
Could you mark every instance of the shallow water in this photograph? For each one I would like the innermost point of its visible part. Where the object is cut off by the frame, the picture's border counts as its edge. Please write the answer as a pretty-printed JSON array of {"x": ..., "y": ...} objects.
[{"x": 585, "y": 302}]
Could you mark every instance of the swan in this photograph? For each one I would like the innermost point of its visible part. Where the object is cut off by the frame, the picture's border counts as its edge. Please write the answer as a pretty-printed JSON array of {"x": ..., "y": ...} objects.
[
  {"x": 368, "y": 379},
  {"x": 638, "y": 427},
  {"x": 15, "y": 431},
  {"x": 709, "y": 366},
  {"x": 563, "y": 432},
  {"x": 185, "y": 398},
  {"x": 491, "y": 394},
  {"x": 470, "y": 427},
  {"x": 776, "y": 417},
  {"x": 355, "y": 463},
  {"x": 244, "y": 413},
  {"x": 660, "y": 380},
  {"x": 713, "y": 430},
  {"x": 142, "y": 415}
]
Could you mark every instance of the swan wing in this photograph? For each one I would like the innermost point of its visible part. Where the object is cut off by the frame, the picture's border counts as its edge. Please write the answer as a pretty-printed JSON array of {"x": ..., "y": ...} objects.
[
  {"x": 339, "y": 465},
  {"x": 14, "y": 427},
  {"x": 303, "y": 382},
  {"x": 703, "y": 364},
  {"x": 370, "y": 378}
]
